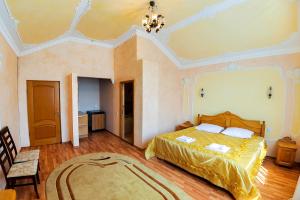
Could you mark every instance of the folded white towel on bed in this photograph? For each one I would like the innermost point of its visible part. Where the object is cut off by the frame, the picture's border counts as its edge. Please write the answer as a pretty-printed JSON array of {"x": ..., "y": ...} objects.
[
  {"x": 186, "y": 139},
  {"x": 218, "y": 147}
]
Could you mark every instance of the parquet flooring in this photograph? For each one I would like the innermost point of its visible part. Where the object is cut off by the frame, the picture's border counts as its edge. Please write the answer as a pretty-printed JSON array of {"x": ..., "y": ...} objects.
[{"x": 274, "y": 182}]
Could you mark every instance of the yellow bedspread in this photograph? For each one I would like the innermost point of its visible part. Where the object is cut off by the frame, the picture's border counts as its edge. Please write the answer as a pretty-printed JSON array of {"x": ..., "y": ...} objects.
[{"x": 234, "y": 171}]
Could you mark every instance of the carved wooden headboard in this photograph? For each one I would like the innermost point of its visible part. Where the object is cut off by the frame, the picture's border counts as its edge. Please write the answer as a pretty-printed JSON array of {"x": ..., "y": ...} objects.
[{"x": 227, "y": 119}]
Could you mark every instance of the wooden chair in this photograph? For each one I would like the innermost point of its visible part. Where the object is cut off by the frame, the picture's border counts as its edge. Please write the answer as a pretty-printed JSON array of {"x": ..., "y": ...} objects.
[
  {"x": 8, "y": 194},
  {"x": 12, "y": 150},
  {"x": 15, "y": 172}
]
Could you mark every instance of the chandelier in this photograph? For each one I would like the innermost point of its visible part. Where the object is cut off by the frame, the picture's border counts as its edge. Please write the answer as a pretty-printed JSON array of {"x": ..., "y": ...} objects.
[{"x": 152, "y": 20}]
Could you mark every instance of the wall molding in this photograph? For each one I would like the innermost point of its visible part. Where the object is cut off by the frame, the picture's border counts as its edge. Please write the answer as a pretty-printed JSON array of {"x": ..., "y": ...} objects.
[
  {"x": 83, "y": 7},
  {"x": 61, "y": 40},
  {"x": 207, "y": 12},
  {"x": 289, "y": 46},
  {"x": 8, "y": 28}
]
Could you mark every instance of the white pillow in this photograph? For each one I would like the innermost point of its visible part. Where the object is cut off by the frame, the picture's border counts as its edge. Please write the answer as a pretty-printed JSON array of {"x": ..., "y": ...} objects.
[
  {"x": 238, "y": 132},
  {"x": 211, "y": 128}
]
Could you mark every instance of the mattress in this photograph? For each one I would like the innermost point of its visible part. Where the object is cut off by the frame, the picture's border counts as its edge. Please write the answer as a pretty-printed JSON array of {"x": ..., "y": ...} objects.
[{"x": 234, "y": 171}]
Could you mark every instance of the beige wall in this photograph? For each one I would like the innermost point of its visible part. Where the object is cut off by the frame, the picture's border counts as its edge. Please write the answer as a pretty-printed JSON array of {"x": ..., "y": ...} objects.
[
  {"x": 156, "y": 95},
  {"x": 106, "y": 99},
  {"x": 165, "y": 95},
  {"x": 150, "y": 97},
  {"x": 162, "y": 90},
  {"x": 127, "y": 67},
  {"x": 54, "y": 64},
  {"x": 241, "y": 87},
  {"x": 9, "y": 113}
]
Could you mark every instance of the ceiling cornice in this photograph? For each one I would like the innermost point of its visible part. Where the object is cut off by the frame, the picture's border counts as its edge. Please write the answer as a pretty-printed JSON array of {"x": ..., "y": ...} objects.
[
  {"x": 83, "y": 7},
  {"x": 8, "y": 28},
  {"x": 207, "y": 12}
]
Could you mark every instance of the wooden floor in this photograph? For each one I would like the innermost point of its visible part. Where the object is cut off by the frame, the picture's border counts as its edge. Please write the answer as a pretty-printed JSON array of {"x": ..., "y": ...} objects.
[{"x": 274, "y": 182}]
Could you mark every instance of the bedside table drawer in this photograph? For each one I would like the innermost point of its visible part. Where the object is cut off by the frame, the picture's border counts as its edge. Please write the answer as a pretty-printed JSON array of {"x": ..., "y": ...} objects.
[{"x": 285, "y": 156}]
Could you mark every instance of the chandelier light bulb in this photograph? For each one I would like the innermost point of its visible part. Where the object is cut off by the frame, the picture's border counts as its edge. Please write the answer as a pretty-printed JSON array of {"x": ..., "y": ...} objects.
[{"x": 153, "y": 21}]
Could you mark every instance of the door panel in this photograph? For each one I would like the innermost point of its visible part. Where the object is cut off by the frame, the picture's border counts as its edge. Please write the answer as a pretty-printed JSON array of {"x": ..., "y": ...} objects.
[{"x": 43, "y": 112}]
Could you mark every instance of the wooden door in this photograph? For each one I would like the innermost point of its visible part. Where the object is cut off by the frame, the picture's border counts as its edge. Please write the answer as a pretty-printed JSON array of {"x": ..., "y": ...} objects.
[
  {"x": 127, "y": 111},
  {"x": 43, "y": 112}
]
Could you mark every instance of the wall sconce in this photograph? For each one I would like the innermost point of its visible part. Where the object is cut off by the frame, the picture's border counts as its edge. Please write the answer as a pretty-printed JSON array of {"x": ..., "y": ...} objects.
[
  {"x": 270, "y": 92},
  {"x": 202, "y": 93}
]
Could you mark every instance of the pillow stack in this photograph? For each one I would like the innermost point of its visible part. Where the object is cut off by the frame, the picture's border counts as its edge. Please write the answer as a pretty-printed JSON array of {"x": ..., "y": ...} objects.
[{"x": 231, "y": 131}]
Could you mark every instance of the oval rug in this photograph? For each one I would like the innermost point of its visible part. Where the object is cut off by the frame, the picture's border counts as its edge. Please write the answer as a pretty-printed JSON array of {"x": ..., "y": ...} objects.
[{"x": 108, "y": 176}]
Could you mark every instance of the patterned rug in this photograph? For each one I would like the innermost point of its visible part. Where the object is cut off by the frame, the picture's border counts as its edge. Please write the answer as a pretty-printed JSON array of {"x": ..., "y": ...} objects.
[{"x": 108, "y": 176}]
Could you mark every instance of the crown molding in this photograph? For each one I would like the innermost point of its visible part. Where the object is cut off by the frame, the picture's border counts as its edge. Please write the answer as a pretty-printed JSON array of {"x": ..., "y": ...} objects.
[
  {"x": 167, "y": 51},
  {"x": 80, "y": 10},
  {"x": 8, "y": 28},
  {"x": 207, "y": 12},
  {"x": 288, "y": 47},
  {"x": 63, "y": 39},
  {"x": 234, "y": 57},
  {"x": 124, "y": 37}
]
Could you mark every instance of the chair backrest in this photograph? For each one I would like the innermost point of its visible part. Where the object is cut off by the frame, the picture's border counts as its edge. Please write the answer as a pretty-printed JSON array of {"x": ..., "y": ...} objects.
[
  {"x": 9, "y": 143},
  {"x": 5, "y": 160}
]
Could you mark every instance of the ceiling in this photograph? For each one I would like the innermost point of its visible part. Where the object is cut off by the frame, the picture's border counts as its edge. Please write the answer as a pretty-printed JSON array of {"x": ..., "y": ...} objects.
[{"x": 195, "y": 30}]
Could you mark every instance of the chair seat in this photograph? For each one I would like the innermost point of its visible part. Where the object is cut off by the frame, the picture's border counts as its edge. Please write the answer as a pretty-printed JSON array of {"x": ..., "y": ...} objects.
[
  {"x": 23, "y": 169},
  {"x": 27, "y": 156},
  {"x": 8, "y": 194}
]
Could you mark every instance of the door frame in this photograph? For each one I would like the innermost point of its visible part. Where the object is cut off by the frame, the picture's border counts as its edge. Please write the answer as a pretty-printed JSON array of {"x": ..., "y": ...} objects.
[
  {"x": 59, "y": 103},
  {"x": 121, "y": 108}
]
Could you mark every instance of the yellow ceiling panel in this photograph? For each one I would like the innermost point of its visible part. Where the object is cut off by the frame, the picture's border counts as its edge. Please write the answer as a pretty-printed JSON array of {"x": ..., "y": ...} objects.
[
  {"x": 108, "y": 19},
  {"x": 178, "y": 10},
  {"x": 253, "y": 24},
  {"x": 42, "y": 20}
]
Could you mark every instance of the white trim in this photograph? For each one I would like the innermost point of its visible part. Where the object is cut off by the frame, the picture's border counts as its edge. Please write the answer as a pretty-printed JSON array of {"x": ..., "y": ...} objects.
[
  {"x": 290, "y": 46},
  {"x": 181, "y": 64},
  {"x": 90, "y": 42},
  {"x": 11, "y": 42},
  {"x": 207, "y": 12},
  {"x": 8, "y": 27},
  {"x": 232, "y": 57},
  {"x": 80, "y": 10},
  {"x": 68, "y": 38},
  {"x": 160, "y": 45},
  {"x": 124, "y": 37}
]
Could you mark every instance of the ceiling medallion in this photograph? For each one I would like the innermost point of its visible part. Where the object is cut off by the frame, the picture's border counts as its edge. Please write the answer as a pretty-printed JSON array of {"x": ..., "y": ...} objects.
[{"x": 152, "y": 20}]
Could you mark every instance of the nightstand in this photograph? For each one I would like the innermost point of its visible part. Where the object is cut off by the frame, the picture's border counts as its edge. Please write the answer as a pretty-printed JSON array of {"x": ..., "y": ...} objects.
[
  {"x": 184, "y": 125},
  {"x": 286, "y": 152}
]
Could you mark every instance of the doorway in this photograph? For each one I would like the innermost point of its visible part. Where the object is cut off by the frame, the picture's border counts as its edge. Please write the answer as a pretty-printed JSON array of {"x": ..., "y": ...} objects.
[
  {"x": 127, "y": 111},
  {"x": 43, "y": 101}
]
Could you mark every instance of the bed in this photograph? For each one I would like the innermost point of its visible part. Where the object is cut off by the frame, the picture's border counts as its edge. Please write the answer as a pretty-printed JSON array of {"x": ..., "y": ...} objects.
[{"x": 234, "y": 171}]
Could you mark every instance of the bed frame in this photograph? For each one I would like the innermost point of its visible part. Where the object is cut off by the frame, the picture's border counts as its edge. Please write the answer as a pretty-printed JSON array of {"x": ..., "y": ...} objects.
[{"x": 228, "y": 119}]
